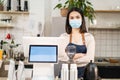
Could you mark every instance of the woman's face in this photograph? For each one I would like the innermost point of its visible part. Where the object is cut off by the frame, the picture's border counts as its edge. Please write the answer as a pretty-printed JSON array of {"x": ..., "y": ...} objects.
[
  {"x": 75, "y": 19},
  {"x": 75, "y": 15}
]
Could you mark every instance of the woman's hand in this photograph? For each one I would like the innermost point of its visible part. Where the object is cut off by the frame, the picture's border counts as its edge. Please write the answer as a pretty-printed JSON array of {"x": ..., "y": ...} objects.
[{"x": 78, "y": 55}]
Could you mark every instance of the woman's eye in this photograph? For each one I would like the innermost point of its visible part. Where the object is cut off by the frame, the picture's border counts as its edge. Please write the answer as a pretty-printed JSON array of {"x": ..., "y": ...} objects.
[
  {"x": 77, "y": 17},
  {"x": 71, "y": 17}
]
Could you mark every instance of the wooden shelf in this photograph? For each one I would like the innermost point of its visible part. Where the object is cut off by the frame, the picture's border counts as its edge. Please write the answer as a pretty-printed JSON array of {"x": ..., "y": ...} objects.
[
  {"x": 13, "y": 12},
  {"x": 107, "y": 11},
  {"x": 115, "y": 28},
  {"x": 6, "y": 25}
]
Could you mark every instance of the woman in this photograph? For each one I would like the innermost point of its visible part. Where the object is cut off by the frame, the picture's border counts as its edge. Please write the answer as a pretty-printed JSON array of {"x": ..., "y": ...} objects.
[{"x": 77, "y": 35}]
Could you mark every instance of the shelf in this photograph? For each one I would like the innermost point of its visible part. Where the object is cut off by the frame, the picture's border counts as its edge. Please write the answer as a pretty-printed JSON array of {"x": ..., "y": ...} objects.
[
  {"x": 114, "y": 28},
  {"x": 107, "y": 11},
  {"x": 6, "y": 25},
  {"x": 13, "y": 12}
]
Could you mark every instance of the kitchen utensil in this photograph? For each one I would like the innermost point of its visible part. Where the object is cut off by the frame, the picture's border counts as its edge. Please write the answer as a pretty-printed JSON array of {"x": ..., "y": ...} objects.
[{"x": 91, "y": 71}]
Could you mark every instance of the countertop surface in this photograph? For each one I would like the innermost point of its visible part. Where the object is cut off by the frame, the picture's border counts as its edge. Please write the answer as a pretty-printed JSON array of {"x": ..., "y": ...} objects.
[
  {"x": 100, "y": 61},
  {"x": 107, "y": 61},
  {"x": 4, "y": 78}
]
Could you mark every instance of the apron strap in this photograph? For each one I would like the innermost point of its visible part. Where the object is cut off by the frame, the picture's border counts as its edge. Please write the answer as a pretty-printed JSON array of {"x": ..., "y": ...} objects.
[
  {"x": 70, "y": 41},
  {"x": 83, "y": 38}
]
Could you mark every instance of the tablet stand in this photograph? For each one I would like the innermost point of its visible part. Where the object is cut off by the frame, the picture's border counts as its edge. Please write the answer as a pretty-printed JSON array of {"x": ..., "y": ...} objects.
[{"x": 43, "y": 71}]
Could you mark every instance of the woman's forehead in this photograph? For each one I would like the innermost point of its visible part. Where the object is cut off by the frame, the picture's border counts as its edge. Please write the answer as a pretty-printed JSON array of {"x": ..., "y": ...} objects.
[{"x": 74, "y": 13}]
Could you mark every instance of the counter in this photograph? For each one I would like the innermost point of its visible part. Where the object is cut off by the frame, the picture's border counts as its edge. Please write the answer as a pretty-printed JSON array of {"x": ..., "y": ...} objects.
[
  {"x": 106, "y": 69},
  {"x": 4, "y": 78},
  {"x": 107, "y": 64}
]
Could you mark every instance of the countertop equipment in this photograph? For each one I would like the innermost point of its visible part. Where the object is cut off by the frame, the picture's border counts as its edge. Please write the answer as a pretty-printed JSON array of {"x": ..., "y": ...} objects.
[{"x": 91, "y": 71}]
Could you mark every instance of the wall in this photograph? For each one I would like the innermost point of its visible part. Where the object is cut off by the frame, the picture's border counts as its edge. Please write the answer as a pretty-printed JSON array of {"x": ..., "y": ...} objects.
[
  {"x": 48, "y": 18},
  {"x": 106, "y": 4},
  {"x": 107, "y": 42}
]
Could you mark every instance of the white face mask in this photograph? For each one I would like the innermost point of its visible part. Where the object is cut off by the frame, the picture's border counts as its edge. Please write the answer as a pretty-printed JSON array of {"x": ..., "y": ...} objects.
[{"x": 75, "y": 23}]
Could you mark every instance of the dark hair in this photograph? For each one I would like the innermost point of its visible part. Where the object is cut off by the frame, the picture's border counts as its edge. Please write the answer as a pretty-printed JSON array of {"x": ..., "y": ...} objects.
[{"x": 68, "y": 28}]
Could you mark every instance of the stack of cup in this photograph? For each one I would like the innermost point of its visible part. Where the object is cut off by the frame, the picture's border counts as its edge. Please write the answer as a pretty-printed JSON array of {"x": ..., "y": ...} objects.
[
  {"x": 69, "y": 75},
  {"x": 73, "y": 72},
  {"x": 64, "y": 72}
]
